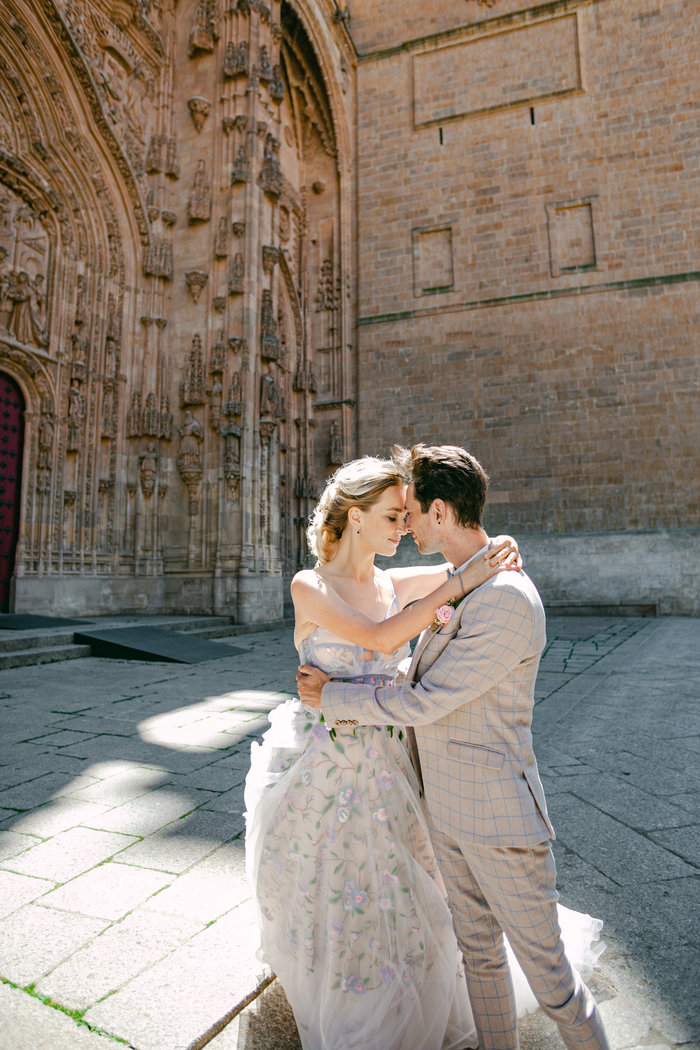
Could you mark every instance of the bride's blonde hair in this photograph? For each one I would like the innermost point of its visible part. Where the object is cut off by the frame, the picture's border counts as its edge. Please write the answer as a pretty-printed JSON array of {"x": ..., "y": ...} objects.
[{"x": 357, "y": 484}]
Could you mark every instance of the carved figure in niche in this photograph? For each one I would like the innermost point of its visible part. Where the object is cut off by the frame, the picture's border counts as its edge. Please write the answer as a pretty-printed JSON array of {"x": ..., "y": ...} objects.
[
  {"x": 270, "y": 257},
  {"x": 231, "y": 433},
  {"x": 205, "y": 27},
  {"x": 47, "y": 432},
  {"x": 166, "y": 419},
  {"x": 148, "y": 463},
  {"x": 234, "y": 402},
  {"x": 270, "y": 398},
  {"x": 238, "y": 229},
  {"x": 191, "y": 435},
  {"x": 335, "y": 445},
  {"x": 159, "y": 259},
  {"x": 199, "y": 202},
  {"x": 133, "y": 416},
  {"x": 236, "y": 275},
  {"x": 276, "y": 87},
  {"x": 172, "y": 164},
  {"x": 76, "y": 417},
  {"x": 271, "y": 173},
  {"x": 269, "y": 341},
  {"x": 285, "y": 224},
  {"x": 151, "y": 417},
  {"x": 216, "y": 396},
  {"x": 264, "y": 64},
  {"x": 5, "y": 215},
  {"x": 192, "y": 390},
  {"x": 6, "y": 303},
  {"x": 199, "y": 108},
  {"x": 236, "y": 59},
  {"x": 218, "y": 355},
  {"x": 241, "y": 171},
  {"x": 221, "y": 242},
  {"x": 26, "y": 322},
  {"x": 156, "y": 151},
  {"x": 108, "y": 422}
]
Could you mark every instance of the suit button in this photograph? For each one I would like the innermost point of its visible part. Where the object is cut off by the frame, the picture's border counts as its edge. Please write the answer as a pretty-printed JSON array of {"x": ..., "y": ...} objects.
[
  {"x": 354, "y": 721},
  {"x": 337, "y": 722}
]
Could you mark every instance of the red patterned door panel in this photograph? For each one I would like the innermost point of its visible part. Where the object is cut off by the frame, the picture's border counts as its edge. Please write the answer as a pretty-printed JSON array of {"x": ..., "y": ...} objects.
[{"x": 11, "y": 437}]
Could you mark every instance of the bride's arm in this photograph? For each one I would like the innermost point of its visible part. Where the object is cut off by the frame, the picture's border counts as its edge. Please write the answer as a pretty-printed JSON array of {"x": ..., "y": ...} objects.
[
  {"x": 415, "y": 581},
  {"x": 316, "y": 602}
]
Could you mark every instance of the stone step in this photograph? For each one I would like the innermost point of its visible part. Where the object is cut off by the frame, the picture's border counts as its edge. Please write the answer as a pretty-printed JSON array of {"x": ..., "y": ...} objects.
[
  {"x": 12, "y": 641},
  {"x": 49, "y": 655}
]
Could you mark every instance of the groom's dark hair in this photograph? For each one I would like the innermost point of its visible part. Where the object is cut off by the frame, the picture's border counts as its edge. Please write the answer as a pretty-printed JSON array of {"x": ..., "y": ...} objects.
[{"x": 449, "y": 473}]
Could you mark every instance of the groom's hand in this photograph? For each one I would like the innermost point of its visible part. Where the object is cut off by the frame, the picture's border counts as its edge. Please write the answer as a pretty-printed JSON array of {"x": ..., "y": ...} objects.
[{"x": 310, "y": 683}]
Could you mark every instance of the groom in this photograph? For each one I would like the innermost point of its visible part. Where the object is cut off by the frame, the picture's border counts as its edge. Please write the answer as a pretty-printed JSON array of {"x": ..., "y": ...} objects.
[{"x": 469, "y": 695}]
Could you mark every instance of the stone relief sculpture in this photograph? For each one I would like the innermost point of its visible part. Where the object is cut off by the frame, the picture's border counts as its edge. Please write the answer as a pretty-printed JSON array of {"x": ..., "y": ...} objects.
[
  {"x": 76, "y": 417},
  {"x": 192, "y": 390},
  {"x": 270, "y": 398},
  {"x": 236, "y": 59},
  {"x": 269, "y": 340},
  {"x": 205, "y": 27},
  {"x": 199, "y": 202},
  {"x": 335, "y": 445},
  {"x": 148, "y": 464}
]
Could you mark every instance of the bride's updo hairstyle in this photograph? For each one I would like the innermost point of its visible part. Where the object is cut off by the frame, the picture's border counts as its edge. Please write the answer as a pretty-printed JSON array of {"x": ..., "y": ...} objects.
[{"x": 357, "y": 484}]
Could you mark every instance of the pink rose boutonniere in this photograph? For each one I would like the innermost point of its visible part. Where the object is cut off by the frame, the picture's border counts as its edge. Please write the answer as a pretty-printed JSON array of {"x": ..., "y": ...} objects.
[{"x": 444, "y": 614}]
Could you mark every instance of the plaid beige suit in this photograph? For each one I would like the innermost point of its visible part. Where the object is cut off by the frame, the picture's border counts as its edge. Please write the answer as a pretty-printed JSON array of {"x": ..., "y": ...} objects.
[{"x": 469, "y": 698}]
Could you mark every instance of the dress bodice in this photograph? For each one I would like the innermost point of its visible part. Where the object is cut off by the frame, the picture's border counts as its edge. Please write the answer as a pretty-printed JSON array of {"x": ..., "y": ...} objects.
[{"x": 339, "y": 658}]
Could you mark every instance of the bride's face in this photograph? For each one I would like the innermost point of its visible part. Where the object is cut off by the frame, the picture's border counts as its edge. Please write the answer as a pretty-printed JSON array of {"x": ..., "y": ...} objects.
[{"x": 382, "y": 526}]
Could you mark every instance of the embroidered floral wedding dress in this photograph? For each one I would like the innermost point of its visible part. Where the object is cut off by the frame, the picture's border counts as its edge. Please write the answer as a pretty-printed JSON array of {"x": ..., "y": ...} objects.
[{"x": 352, "y": 909}]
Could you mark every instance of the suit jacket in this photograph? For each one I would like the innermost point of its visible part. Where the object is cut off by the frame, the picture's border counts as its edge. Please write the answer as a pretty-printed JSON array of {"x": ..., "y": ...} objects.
[{"x": 469, "y": 696}]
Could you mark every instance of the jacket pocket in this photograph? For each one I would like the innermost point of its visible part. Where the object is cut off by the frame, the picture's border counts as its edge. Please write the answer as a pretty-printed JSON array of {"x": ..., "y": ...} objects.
[{"x": 475, "y": 754}]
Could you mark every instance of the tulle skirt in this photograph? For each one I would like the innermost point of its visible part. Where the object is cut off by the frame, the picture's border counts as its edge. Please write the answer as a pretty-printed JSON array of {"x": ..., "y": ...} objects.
[{"x": 352, "y": 910}]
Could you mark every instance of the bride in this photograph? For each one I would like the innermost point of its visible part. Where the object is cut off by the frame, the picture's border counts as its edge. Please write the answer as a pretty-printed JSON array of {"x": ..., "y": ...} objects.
[{"x": 352, "y": 909}]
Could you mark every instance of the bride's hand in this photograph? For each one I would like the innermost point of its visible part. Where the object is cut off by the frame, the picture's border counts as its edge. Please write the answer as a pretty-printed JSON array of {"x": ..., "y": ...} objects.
[
  {"x": 504, "y": 555},
  {"x": 310, "y": 683},
  {"x": 513, "y": 560}
]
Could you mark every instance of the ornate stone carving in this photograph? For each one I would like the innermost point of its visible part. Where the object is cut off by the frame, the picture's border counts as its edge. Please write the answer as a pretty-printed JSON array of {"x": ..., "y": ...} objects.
[
  {"x": 240, "y": 122},
  {"x": 269, "y": 341},
  {"x": 271, "y": 174},
  {"x": 189, "y": 461},
  {"x": 196, "y": 280},
  {"x": 192, "y": 390},
  {"x": 270, "y": 398},
  {"x": 148, "y": 469},
  {"x": 205, "y": 27},
  {"x": 234, "y": 401},
  {"x": 221, "y": 240},
  {"x": 199, "y": 200},
  {"x": 168, "y": 217},
  {"x": 219, "y": 303},
  {"x": 76, "y": 418},
  {"x": 264, "y": 66},
  {"x": 199, "y": 108},
  {"x": 134, "y": 417},
  {"x": 325, "y": 296},
  {"x": 159, "y": 259},
  {"x": 276, "y": 86},
  {"x": 238, "y": 229},
  {"x": 150, "y": 425},
  {"x": 231, "y": 433},
  {"x": 216, "y": 395},
  {"x": 241, "y": 170},
  {"x": 237, "y": 344},
  {"x": 218, "y": 355},
  {"x": 335, "y": 445},
  {"x": 166, "y": 419},
  {"x": 236, "y": 275},
  {"x": 227, "y": 125},
  {"x": 155, "y": 158},
  {"x": 236, "y": 59},
  {"x": 172, "y": 164},
  {"x": 270, "y": 257},
  {"x": 305, "y": 380}
]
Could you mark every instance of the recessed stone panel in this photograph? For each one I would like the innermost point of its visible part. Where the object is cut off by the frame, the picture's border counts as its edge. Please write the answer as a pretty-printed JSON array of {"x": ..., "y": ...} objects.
[
  {"x": 433, "y": 264},
  {"x": 571, "y": 236},
  {"x": 493, "y": 72}
]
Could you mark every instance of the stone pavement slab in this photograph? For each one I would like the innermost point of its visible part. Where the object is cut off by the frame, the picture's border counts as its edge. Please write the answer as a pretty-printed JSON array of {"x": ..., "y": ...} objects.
[
  {"x": 28, "y": 1024},
  {"x": 120, "y": 841}
]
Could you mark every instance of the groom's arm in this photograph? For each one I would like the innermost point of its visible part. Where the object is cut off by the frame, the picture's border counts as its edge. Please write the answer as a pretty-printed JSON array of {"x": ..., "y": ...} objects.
[{"x": 494, "y": 637}]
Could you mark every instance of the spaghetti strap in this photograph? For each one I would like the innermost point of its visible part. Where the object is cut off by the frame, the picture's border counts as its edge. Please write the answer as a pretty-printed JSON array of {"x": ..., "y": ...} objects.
[{"x": 394, "y": 600}]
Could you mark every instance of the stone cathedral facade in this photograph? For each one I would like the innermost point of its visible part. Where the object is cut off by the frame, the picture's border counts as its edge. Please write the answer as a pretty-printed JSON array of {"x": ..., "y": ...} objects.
[{"x": 243, "y": 241}]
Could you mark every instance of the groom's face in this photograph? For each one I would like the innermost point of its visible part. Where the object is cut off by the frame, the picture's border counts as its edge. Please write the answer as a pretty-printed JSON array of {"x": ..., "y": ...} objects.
[{"x": 421, "y": 526}]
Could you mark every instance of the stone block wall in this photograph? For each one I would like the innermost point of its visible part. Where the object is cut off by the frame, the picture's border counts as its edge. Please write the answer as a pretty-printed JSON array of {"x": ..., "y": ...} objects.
[{"x": 528, "y": 239}]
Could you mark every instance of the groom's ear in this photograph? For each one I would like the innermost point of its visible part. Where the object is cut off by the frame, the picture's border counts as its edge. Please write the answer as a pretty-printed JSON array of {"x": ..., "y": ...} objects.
[{"x": 438, "y": 511}]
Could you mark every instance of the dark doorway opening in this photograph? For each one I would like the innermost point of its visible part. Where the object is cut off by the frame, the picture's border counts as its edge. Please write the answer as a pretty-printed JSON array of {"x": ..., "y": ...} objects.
[{"x": 11, "y": 441}]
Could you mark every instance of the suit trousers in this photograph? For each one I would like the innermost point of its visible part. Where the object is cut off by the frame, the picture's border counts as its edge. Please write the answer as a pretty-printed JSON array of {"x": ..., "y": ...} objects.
[{"x": 510, "y": 890}]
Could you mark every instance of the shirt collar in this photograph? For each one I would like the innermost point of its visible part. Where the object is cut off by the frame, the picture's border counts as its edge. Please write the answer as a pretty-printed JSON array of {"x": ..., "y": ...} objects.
[{"x": 470, "y": 560}]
